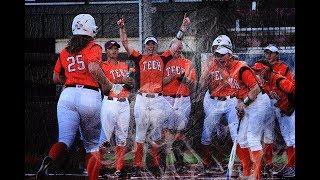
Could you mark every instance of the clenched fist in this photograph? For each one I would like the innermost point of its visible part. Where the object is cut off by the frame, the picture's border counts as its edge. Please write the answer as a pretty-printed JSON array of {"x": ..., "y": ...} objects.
[
  {"x": 120, "y": 22},
  {"x": 185, "y": 23}
]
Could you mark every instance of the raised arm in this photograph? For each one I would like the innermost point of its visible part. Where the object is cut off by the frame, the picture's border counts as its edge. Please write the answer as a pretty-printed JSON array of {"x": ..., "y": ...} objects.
[
  {"x": 123, "y": 36},
  {"x": 183, "y": 29}
]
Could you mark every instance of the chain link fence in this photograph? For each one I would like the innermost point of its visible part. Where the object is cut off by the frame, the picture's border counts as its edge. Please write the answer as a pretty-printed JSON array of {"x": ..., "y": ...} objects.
[{"x": 251, "y": 25}]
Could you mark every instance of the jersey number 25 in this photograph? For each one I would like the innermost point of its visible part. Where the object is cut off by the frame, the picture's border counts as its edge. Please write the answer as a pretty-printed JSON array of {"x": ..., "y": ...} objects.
[{"x": 73, "y": 60}]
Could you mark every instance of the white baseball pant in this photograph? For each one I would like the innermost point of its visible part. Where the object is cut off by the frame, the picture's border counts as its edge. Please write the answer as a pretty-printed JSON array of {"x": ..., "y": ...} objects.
[
  {"x": 287, "y": 126},
  {"x": 268, "y": 131},
  {"x": 179, "y": 111},
  {"x": 252, "y": 124},
  {"x": 79, "y": 107},
  {"x": 149, "y": 113},
  {"x": 115, "y": 118},
  {"x": 214, "y": 109}
]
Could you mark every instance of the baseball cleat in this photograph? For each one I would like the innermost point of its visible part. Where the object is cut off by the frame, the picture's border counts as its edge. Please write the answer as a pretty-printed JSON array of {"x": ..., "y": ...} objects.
[
  {"x": 43, "y": 170},
  {"x": 136, "y": 172},
  {"x": 181, "y": 169},
  {"x": 119, "y": 174},
  {"x": 156, "y": 171},
  {"x": 286, "y": 172}
]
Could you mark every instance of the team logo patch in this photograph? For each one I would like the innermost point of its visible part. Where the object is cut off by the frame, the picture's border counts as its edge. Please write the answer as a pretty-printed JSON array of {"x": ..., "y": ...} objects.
[{"x": 78, "y": 25}]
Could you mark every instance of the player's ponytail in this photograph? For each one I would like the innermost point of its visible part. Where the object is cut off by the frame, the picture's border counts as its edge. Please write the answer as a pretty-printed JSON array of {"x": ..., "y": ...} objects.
[{"x": 77, "y": 43}]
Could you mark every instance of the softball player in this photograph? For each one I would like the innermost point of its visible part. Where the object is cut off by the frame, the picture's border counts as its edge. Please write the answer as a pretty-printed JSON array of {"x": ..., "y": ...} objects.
[
  {"x": 219, "y": 99},
  {"x": 149, "y": 107},
  {"x": 179, "y": 82},
  {"x": 281, "y": 91},
  {"x": 80, "y": 101},
  {"x": 251, "y": 109},
  {"x": 115, "y": 110}
]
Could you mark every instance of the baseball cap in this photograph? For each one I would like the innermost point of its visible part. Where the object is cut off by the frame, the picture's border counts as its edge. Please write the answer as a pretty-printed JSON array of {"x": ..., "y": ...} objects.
[
  {"x": 151, "y": 38},
  {"x": 271, "y": 48},
  {"x": 111, "y": 43},
  {"x": 223, "y": 50}
]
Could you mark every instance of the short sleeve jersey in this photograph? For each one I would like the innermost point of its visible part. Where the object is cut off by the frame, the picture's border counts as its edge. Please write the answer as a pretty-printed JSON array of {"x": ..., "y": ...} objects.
[{"x": 75, "y": 66}]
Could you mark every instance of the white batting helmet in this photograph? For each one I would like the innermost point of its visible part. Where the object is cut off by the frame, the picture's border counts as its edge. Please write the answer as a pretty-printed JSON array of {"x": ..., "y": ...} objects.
[
  {"x": 223, "y": 50},
  {"x": 222, "y": 40},
  {"x": 84, "y": 24}
]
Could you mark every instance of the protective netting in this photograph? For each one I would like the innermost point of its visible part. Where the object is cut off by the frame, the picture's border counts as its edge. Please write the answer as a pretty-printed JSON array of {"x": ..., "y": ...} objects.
[{"x": 251, "y": 26}]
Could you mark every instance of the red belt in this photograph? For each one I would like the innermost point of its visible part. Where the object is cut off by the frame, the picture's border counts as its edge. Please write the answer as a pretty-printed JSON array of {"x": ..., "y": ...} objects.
[
  {"x": 83, "y": 86},
  {"x": 150, "y": 95},
  {"x": 117, "y": 99},
  {"x": 178, "y": 96},
  {"x": 222, "y": 98}
]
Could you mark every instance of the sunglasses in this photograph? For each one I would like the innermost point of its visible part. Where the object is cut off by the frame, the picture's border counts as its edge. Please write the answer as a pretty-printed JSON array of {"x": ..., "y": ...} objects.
[{"x": 218, "y": 55}]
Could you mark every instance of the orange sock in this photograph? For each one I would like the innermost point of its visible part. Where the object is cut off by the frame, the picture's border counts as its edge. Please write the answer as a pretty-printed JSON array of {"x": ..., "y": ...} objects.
[
  {"x": 93, "y": 168},
  {"x": 155, "y": 156},
  {"x": 244, "y": 156},
  {"x": 90, "y": 165},
  {"x": 59, "y": 152},
  {"x": 256, "y": 157},
  {"x": 120, "y": 152},
  {"x": 138, "y": 155},
  {"x": 207, "y": 159},
  {"x": 291, "y": 156},
  {"x": 86, "y": 159},
  {"x": 268, "y": 153}
]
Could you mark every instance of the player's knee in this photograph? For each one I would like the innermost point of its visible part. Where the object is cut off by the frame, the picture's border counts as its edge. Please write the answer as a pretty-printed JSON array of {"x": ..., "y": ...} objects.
[
  {"x": 140, "y": 139},
  {"x": 205, "y": 141},
  {"x": 121, "y": 143},
  {"x": 158, "y": 143},
  {"x": 65, "y": 142},
  {"x": 255, "y": 145},
  {"x": 290, "y": 142}
]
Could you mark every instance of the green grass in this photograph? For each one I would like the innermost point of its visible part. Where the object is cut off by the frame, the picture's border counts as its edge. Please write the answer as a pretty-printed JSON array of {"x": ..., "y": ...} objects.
[{"x": 190, "y": 158}]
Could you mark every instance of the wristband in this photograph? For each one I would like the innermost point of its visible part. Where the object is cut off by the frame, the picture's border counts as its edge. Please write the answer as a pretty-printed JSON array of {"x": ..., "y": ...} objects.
[
  {"x": 179, "y": 35},
  {"x": 247, "y": 101}
]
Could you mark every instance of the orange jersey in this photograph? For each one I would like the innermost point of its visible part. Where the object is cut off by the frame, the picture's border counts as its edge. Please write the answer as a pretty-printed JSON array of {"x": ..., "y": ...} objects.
[
  {"x": 178, "y": 66},
  {"x": 282, "y": 89},
  {"x": 281, "y": 68},
  {"x": 150, "y": 70},
  {"x": 242, "y": 78},
  {"x": 115, "y": 73},
  {"x": 75, "y": 66},
  {"x": 219, "y": 85}
]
